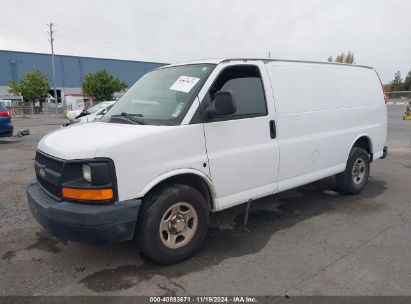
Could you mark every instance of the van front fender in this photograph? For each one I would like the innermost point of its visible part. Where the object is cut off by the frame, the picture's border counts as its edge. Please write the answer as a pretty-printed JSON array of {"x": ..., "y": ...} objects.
[{"x": 175, "y": 173}]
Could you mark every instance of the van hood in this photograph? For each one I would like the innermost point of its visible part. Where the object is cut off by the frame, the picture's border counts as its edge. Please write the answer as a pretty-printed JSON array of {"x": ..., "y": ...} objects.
[{"x": 81, "y": 141}]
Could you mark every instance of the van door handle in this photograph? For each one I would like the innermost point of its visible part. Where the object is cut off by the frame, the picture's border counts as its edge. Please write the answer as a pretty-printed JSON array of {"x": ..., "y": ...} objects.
[{"x": 273, "y": 129}]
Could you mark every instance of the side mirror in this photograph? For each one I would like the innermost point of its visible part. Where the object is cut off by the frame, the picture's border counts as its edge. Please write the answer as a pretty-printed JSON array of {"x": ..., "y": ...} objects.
[{"x": 224, "y": 105}]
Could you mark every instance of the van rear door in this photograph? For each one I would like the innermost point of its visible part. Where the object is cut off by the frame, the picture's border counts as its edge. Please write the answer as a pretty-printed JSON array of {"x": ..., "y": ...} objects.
[{"x": 242, "y": 148}]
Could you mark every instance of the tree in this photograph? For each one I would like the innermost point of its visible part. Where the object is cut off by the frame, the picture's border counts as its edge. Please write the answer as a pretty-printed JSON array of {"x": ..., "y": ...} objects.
[
  {"x": 397, "y": 84},
  {"x": 343, "y": 58},
  {"x": 102, "y": 85},
  {"x": 407, "y": 82},
  {"x": 34, "y": 86},
  {"x": 387, "y": 87}
]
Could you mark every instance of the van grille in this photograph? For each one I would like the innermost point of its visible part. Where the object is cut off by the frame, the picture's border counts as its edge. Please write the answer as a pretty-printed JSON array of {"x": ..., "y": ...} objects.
[
  {"x": 50, "y": 163},
  {"x": 49, "y": 187}
]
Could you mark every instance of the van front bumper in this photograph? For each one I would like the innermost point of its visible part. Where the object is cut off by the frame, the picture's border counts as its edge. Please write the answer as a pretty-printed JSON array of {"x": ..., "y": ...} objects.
[{"x": 83, "y": 223}]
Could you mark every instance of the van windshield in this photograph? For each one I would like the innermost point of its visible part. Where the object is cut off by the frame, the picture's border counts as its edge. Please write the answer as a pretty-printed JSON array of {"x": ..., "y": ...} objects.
[{"x": 162, "y": 96}]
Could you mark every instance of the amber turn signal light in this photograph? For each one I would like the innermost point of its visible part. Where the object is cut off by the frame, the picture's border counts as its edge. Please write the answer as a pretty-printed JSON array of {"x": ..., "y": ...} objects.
[{"x": 88, "y": 194}]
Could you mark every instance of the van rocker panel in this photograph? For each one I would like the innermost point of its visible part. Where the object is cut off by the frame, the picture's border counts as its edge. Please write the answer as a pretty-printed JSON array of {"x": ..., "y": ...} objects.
[{"x": 86, "y": 223}]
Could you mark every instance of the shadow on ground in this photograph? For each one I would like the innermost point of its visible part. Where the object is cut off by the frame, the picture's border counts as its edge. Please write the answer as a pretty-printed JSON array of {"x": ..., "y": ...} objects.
[{"x": 228, "y": 238}]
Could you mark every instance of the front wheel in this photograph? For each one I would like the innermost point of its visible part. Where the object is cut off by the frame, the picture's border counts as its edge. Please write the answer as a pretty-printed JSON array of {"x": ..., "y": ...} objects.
[
  {"x": 172, "y": 224},
  {"x": 357, "y": 170}
]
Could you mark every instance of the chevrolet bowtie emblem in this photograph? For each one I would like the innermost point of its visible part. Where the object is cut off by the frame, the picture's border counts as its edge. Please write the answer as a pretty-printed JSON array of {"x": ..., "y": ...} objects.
[{"x": 42, "y": 171}]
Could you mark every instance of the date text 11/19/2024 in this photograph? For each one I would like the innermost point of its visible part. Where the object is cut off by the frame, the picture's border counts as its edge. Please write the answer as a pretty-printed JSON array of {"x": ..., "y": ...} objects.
[{"x": 203, "y": 299}]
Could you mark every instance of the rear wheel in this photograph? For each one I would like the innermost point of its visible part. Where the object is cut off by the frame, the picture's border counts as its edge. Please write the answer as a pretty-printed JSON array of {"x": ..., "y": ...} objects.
[
  {"x": 357, "y": 171},
  {"x": 173, "y": 223}
]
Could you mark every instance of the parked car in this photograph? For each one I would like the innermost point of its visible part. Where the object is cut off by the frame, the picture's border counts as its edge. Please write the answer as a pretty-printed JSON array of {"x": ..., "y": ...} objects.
[
  {"x": 76, "y": 103},
  {"x": 6, "y": 126},
  {"x": 96, "y": 112},
  {"x": 189, "y": 139},
  {"x": 93, "y": 113}
]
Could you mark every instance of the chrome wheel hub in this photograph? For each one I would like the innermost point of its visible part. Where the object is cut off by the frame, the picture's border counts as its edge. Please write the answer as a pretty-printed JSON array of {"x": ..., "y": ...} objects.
[
  {"x": 358, "y": 171},
  {"x": 178, "y": 225}
]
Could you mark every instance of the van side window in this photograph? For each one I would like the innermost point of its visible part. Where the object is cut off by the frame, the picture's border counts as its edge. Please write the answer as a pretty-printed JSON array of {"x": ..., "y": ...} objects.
[{"x": 247, "y": 87}]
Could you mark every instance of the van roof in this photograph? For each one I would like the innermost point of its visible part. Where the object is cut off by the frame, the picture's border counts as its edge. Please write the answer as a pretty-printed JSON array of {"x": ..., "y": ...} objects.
[{"x": 265, "y": 60}]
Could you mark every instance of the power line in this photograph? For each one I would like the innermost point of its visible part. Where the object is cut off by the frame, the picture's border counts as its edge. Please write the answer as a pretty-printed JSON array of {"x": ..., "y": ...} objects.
[
  {"x": 124, "y": 49},
  {"x": 118, "y": 47},
  {"x": 117, "y": 44},
  {"x": 122, "y": 41}
]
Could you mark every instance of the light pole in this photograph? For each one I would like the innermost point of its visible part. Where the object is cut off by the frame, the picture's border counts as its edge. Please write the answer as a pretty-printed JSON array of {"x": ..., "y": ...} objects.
[{"x": 51, "y": 32}]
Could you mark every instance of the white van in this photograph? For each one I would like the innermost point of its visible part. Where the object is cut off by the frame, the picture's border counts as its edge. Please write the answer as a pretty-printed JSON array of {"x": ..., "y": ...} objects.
[{"x": 200, "y": 137}]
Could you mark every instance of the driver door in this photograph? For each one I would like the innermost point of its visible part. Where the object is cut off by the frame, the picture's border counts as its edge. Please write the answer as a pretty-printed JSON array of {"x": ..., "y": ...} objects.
[{"x": 242, "y": 148}]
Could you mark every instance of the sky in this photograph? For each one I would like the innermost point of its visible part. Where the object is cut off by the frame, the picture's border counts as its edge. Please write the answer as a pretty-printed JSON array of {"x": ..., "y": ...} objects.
[{"x": 169, "y": 31}]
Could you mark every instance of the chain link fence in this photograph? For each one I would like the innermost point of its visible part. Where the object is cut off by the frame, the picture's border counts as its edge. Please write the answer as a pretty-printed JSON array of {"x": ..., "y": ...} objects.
[
  {"x": 24, "y": 109},
  {"x": 52, "y": 108},
  {"x": 399, "y": 97}
]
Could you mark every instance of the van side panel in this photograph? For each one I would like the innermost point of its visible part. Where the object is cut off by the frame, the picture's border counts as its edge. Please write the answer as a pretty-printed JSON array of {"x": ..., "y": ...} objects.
[
  {"x": 360, "y": 89},
  {"x": 321, "y": 113}
]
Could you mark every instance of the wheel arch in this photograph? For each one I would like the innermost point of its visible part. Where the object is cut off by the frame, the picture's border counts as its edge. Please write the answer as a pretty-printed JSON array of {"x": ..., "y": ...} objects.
[
  {"x": 364, "y": 141},
  {"x": 189, "y": 177}
]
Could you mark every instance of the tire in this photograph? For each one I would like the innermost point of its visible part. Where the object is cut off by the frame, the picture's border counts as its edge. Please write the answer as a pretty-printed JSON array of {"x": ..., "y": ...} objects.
[
  {"x": 8, "y": 134},
  {"x": 357, "y": 171},
  {"x": 172, "y": 223}
]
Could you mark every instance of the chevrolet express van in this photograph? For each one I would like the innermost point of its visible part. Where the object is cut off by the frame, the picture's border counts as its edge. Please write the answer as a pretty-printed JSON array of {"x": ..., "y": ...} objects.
[{"x": 190, "y": 139}]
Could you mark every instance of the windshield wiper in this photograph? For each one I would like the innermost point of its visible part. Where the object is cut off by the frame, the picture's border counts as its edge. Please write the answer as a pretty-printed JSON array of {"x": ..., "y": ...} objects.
[{"x": 129, "y": 117}]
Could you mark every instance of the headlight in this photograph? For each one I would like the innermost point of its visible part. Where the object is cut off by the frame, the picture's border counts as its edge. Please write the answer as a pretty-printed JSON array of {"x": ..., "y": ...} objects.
[
  {"x": 87, "y": 173},
  {"x": 89, "y": 180}
]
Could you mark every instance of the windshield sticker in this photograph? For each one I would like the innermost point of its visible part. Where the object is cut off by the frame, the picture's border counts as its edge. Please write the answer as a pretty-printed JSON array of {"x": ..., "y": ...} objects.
[
  {"x": 184, "y": 84},
  {"x": 178, "y": 109}
]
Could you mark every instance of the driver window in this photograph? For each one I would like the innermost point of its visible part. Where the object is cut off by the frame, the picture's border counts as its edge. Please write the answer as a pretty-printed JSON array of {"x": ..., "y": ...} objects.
[{"x": 246, "y": 84}]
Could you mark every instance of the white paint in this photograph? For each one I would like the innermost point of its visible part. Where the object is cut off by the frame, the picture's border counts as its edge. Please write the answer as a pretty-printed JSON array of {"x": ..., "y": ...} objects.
[
  {"x": 320, "y": 110},
  {"x": 324, "y": 108}
]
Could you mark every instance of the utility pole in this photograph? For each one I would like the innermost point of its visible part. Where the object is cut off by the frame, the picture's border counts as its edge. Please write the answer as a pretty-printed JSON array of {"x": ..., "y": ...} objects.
[{"x": 51, "y": 32}]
